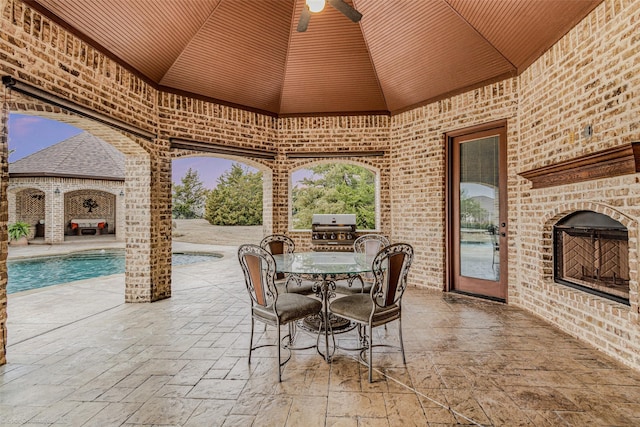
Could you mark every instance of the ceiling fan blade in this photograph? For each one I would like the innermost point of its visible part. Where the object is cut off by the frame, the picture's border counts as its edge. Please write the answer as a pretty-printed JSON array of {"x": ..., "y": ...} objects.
[
  {"x": 346, "y": 9},
  {"x": 305, "y": 16}
]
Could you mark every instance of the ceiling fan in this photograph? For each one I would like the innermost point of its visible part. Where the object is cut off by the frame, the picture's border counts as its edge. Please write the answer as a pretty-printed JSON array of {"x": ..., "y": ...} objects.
[{"x": 316, "y": 6}]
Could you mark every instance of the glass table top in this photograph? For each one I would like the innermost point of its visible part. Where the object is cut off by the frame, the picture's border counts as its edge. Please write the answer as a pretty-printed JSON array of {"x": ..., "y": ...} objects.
[{"x": 323, "y": 263}]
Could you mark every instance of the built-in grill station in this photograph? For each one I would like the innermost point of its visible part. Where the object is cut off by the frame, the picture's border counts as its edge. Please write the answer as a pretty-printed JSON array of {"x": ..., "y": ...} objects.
[
  {"x": 591, "y": 253},
  {"x": 333, "y": 232}
]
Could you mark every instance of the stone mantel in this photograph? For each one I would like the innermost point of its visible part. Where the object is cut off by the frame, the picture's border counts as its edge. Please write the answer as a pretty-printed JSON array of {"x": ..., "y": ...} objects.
[{"x": 616, "y": 161}]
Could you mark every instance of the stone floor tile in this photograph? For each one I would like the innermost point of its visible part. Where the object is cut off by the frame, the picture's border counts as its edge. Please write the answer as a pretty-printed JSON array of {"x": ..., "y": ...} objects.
[
  {"x": 169, "y": 390},
  {"x": 274, "y": 411},
  {"x": 113, "y": 414},
  {"x": 148, "y": 388},
  {"x": 404, "y": 409},
  {"x": 309, "y": 411},
  {"x": 115, "y": 394},
  {"x": 25, "y": 394},
  {"x": 191, "y": 373},
  {"x": 373, "y": 422},
  {"x": 210, "y": 413},
  {"x": 348, "y": 404},
  {"x": 217, "y": 389},
  {"x": 541, "y": 398},
  {"x": 341, "y": 421},
  {"x": 20, "y": 414},
  {"x": 239, "y": 421},
  {"x": 164, "y": 411},
  {"x": 464, "y": 405},
  {"x": 82, "y": 413},
  {"x": 54, "y": 412},
  {"x": 501, "y": 410}
]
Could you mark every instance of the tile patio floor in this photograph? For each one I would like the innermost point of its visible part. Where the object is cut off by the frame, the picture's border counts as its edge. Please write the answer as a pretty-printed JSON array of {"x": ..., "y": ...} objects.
[{"x": 79, "y": 356}]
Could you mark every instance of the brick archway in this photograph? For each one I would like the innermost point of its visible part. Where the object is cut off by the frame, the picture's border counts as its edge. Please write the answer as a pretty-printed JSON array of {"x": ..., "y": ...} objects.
[{"x": 267, "y": 181}]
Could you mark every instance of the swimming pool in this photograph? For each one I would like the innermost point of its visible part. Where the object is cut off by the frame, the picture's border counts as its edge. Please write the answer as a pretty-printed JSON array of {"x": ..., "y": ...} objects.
[{"x": 39, "y": 272}]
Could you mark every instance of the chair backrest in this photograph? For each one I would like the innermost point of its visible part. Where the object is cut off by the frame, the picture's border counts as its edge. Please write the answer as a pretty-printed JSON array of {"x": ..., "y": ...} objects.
[
  {"x": 259, "y": 270},
  {"x": 390, "y": 270},
  {"x": 278, "y": 244},
  {"x": 370, "y": 244}
]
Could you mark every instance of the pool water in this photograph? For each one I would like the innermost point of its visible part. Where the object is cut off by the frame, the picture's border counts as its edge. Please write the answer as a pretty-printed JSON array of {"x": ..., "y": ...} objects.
[{"x": 39, "y": 272}]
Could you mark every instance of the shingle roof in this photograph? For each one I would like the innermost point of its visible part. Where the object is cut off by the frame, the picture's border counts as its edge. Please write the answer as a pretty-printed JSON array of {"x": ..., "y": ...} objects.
[{"x": 81, "y": 156}]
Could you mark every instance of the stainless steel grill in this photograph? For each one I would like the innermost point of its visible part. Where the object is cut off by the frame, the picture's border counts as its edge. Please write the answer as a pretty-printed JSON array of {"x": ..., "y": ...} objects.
[{"x": 333, "y": 231}]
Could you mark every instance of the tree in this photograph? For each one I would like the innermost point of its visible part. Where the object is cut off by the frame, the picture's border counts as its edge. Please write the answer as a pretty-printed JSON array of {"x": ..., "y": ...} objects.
[
  {"x": 335, "y": 188},
  {"x": 237, "y": 198},
  {"x": 188, "y": 198},
  {"x": 472, "y": 215}
]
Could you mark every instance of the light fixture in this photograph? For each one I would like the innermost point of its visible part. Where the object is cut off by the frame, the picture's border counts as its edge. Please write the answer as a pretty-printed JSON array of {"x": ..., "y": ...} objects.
[
  {"x": 121, "y": 193},
  {"x": 57, "y": 191},
  {"x": 316, "y": 6}
]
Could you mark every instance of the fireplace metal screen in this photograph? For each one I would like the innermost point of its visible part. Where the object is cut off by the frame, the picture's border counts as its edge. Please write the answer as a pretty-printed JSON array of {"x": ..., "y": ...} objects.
[{"x": 591, "y": 253}]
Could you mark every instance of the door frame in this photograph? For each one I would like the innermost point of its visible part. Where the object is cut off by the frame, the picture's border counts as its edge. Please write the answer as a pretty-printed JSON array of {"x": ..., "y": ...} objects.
[{"x": 450, "y": 223}]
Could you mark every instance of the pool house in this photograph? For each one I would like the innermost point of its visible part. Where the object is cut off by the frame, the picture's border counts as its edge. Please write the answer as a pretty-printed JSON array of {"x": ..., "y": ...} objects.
[{"x": 74, "y": 188}]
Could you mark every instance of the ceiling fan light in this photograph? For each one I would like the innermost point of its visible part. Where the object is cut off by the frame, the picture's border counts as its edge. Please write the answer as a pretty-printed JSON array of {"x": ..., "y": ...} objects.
[{"x": 315, "y": 6}]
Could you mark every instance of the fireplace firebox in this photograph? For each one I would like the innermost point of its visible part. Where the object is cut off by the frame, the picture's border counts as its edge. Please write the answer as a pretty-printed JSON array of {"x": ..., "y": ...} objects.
[{"x": 591, "y": 253}]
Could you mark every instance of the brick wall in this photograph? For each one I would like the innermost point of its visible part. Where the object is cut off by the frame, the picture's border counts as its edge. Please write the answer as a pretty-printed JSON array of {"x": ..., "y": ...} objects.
[
  {"x": 418, "y": 169},
  {"x": 591, "y": 77},
  {"x": 327, "y": 134}
]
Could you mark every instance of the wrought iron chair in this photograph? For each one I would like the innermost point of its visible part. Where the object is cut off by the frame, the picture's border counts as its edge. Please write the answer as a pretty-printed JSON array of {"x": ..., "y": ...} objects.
[
  {"x": 383, "y": 303},
  {"x": 370, "y": 245},
  {"x": 267, "y": 305},
  {"x": 277, "y": 244}
]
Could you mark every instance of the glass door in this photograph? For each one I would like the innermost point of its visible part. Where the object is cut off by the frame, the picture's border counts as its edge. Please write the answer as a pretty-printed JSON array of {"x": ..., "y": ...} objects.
[{"x": 477, "y": 214}]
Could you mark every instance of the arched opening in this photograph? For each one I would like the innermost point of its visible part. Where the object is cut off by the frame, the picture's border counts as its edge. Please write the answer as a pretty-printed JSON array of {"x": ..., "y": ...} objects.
[
  {"x": 90, "y": 212},
  {"x": 212, "y": 172},
  {"x": 334, "y": 187},
  {"x": 148, "y": 251},
  {"x": 80, "y": 176},
  {"x": 28, "y": 206}
]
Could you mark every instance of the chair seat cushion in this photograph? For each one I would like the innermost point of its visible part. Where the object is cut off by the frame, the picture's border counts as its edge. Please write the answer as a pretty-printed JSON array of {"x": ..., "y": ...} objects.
[
  {"x": 289, "y": 307},
  {"x": 355, "y": 288},
  {"x": 358, "y": 307},
  {"x": 306, "y": 288}
]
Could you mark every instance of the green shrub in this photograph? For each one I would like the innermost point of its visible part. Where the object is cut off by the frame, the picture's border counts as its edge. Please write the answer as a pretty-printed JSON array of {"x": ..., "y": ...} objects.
[{"x": 18, "y": 230}]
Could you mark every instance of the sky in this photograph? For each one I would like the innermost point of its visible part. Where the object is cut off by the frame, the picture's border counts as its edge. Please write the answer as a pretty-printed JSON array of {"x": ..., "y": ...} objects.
[{"x": 29, "y": 134}]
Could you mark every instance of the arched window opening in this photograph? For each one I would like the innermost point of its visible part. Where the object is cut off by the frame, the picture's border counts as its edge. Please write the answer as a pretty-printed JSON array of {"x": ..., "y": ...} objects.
[
  {"x": 223, "y": 192},
  {"x": 334, "y": 188}
]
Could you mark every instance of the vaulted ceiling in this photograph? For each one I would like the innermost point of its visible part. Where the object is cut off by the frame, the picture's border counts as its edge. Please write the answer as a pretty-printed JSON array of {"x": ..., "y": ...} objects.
[{"x": 402, "y": 53}]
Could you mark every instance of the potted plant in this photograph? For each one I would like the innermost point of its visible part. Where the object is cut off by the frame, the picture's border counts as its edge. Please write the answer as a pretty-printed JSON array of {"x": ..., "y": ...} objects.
[{"x": 18, "y": 233}]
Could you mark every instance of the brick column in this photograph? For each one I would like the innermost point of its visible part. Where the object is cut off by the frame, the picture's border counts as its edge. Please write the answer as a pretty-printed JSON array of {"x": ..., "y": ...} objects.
[
  {"x": 148, "y": 228},
  {"x": 4, "y": 216},
  {"x": 54, "y": 214}
]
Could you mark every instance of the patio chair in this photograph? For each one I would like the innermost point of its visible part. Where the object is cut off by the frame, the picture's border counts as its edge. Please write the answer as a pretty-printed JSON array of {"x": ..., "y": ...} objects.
[
  {"x": 383, "y": 303},
  {"x": 370, "y": 245},
  {"x": 277, "y": 244},
  {"x": 267, "y": 305}
]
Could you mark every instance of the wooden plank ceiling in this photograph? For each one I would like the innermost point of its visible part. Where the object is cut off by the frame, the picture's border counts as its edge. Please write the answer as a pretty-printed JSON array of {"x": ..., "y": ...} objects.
[{"x": 247, "y": 53}]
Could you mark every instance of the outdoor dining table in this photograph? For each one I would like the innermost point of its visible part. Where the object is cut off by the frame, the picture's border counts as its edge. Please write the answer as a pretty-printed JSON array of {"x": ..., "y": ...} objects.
[{"x": 324, "y": 269}]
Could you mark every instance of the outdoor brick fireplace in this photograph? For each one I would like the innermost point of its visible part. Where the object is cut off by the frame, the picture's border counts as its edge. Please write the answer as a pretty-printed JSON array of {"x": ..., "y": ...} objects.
[{"x": 591, "y": 253}]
